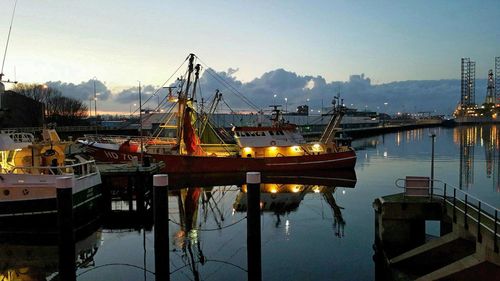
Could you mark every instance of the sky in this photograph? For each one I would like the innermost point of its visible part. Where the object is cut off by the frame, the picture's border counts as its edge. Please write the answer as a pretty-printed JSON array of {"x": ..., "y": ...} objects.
[{"x": 121, "y": 42}]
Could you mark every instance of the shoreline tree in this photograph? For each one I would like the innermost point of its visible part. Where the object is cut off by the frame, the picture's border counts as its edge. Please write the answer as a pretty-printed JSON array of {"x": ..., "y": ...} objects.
[{"x": 58, "y": 109}]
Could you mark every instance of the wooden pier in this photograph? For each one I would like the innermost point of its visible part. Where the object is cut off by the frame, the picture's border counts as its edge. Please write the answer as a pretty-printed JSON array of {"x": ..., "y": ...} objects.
[{"x": 127, "y": 192}]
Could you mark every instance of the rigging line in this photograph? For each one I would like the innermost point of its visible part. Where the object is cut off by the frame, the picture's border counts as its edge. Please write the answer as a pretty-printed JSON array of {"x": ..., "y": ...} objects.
[
  {"x": 8, "y": 39},
  {"x": 213, "y": 229},
  {"x": 232, "y": 88},
  {"x": 218, "y": 136},
  {"x": 215, "y": 216},
  {"x": 165, "y": 122},
  {"x": 230, "y": 257},
  {"x": 172, "y": 262},
  {"x": 164, "y": 83},
  {"x": 230, "y": 109},
  {"x": 210, "y": 260},
  {"x": 116, "y": 264},
  {"x": 222, "y": 80}
]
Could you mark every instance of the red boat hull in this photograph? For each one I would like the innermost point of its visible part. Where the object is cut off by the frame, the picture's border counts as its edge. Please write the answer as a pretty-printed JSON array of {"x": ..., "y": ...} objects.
[{"x": 181, "y": 164}]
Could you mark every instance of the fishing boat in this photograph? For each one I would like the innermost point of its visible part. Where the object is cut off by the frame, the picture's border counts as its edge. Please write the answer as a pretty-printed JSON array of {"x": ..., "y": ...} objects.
[
  {"x": 28, "y": 174},
  {"x": 278, "y": 147}
]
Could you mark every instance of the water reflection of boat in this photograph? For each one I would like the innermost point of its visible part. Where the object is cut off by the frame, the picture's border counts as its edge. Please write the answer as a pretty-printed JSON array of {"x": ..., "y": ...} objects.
[
  {"x": 195, "y": 209},
  {"x": 341, "y": 177},
  {"x": 284, "y": 198},
  {"x": 28, "y": 260}
]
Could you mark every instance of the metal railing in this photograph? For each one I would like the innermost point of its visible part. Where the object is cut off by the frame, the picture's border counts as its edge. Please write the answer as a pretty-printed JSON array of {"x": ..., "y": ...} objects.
[
  {"x": 78, "y": 169},
  {"x": 472, "y": 209}
]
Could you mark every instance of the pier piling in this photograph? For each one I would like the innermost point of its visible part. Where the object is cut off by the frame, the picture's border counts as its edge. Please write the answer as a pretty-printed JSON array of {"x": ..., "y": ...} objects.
[
  {"x": 67, "y": 266},
  {"x": 253, "y": 227},
  {"x": 160, "y": 203}
]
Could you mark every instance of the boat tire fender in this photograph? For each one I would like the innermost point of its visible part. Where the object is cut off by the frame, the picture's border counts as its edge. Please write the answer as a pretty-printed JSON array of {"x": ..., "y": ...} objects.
[{"x": 273, "y": 143}]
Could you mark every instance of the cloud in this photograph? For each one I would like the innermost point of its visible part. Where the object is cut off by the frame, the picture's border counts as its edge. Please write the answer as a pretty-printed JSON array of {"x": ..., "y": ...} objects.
[
  {"x": 435, "y": 96},
  {"x": 83, "y": 91},
  {"x": 131, "y": 95}
]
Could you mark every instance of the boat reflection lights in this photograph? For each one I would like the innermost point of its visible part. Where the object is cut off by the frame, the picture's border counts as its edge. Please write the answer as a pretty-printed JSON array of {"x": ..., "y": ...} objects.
[
  {"x": 274, "y": 189},
  {"x": 193, "y": 235},
  {"x": 247, "y": 149},
  {"x": 18, "y": 149},
  {"x": 20, "y": 181},
  {"x": 296, "y": 189},
  {"x": 295, "y": 148},
  {"x": 316, "y": 189}
]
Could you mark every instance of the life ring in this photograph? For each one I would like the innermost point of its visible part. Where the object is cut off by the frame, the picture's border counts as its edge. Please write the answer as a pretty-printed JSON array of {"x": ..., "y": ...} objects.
[{"x": 273, "y": 143}]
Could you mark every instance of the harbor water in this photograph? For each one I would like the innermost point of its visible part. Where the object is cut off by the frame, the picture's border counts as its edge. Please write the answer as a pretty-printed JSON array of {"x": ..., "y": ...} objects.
[{"x": 314, "y": 227}]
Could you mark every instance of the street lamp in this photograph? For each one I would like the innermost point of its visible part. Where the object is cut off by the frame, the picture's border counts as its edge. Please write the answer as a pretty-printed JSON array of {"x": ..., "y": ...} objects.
[
  {"x": 95, "y": 100},
  {"x": 433, "y": 137},
  {"x": 307, "y": 110},
  {"x": 158, "y": 99},
  {"x": 274, "y": 99},
  {"x": 95, "y": 105},
  {"x": 44, "y": 88},
  {"x": 286, "y": 105},
  {"x": 140, "y": 122},
  {"x": 131, "y": 109}
]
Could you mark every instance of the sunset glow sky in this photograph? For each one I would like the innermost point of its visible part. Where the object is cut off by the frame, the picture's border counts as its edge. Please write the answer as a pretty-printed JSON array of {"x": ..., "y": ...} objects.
[{"x": 121, "y": 42}]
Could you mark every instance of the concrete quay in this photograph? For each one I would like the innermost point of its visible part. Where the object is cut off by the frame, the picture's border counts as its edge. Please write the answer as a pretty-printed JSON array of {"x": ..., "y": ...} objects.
[{"x": 466, "y": 249}]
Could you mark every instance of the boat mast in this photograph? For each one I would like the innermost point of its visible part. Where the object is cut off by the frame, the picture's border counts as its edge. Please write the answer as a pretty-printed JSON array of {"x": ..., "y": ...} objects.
[
  {"x": 183, "y": 97},
  {"x": 2, "y": 87},
  {"x": 197, "y": 69}
]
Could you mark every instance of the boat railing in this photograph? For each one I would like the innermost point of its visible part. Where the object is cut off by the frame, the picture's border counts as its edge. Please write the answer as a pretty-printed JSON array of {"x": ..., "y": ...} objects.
[
  {"x": 80, "y": 170},
  {"x": 19, "y": 137},
  {"x": 118, "y": 139},
  {"x": 466, "y": 209}
]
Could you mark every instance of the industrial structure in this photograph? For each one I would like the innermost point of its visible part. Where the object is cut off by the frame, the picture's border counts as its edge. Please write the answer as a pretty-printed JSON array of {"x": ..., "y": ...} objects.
[
  {"x": 468, "y": 83},
  {"x": 497, "y": 78},
  {"x": 470, "y": 112}
]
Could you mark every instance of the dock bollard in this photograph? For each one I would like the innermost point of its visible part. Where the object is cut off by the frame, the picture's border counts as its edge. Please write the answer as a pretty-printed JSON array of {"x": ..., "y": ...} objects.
[
  {"x": 160, "y": 203},
  {"x": 67, "y": 265},
  {"x": 253, "y": 227}
]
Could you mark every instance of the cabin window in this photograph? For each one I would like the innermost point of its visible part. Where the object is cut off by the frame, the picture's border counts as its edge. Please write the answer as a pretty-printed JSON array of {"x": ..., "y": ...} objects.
[
  {"x": 271, "y": 133},
  {"x": 247, "y": 134}
]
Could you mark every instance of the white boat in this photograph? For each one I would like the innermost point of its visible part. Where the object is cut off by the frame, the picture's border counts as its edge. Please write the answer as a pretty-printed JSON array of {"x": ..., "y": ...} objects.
[{"x": 28, "y": 174}]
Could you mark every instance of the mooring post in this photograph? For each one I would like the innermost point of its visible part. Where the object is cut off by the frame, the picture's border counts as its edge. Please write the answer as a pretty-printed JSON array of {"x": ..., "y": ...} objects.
[
  {"x": 253, "y": 227},
  {"x": 140, "y": 189},
  {"x": 67, "y": 265},
  {"x": 160, "y": 203}
]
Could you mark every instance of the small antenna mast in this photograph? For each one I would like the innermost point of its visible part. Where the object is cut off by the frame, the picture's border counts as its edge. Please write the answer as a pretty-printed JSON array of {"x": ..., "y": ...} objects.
[{"x": 8, "y": 39}]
